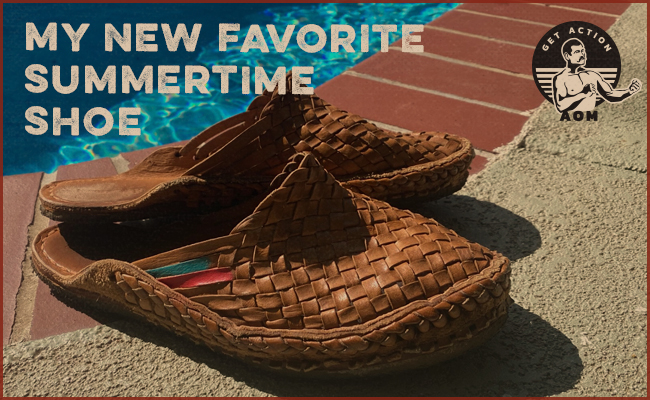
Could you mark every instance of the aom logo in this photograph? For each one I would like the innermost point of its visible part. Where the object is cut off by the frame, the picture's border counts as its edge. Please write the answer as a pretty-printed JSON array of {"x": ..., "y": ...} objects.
[{"x": 577, "y": 66}]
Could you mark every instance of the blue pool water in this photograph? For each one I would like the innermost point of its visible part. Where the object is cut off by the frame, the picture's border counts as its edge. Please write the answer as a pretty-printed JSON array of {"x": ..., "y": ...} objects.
[{"x": 165, "y": 118}]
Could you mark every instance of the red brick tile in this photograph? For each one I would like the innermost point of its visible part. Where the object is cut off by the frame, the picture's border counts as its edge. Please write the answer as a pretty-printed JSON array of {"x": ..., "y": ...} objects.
[
  {"x": 134, "y": 157},
  {"x": 19, "y": 199},
  {"x": 512, "y": 31},
  {"x": 487, "y": 128},
  {"x": 531, "y": 12},
  {"x": 469, "y": 82},
  {"x": 610, "y": 8},
  {"x": 484, "y": 52},
  {"x": 51, "y": 317},
  {"x": 478, "y": 163},
  {"x": 90, "y": 169}
]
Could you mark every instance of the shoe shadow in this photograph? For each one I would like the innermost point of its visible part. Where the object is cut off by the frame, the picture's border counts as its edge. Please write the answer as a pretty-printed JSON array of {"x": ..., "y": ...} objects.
[
  {"x": 486, "y": 223},
  {"x": 528, "y": 357}
]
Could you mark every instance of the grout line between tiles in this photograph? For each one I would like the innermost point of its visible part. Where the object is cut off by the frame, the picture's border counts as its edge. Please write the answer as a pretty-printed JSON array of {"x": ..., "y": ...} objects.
[
  {"x": 604, "y": 14},
  {"x": 389, "y": 127},
  {"x": 505, "y": 18},
  {"x": 455, "y": 32},
  {"x": 483, "y": 153},
  {"x": 467, "y": 64},
  {"x": 436, "y": 92}
]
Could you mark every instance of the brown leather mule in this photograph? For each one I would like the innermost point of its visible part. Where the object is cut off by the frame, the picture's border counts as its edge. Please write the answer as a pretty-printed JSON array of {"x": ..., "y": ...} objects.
[{"x": 317, "y": 279}]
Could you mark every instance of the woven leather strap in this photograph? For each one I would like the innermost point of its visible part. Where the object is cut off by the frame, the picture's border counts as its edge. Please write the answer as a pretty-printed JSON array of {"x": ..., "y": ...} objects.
[
  {"x": 224, "y": 131},
  {"x": 345, "y": 143},
  {"x": 315, "y": 255}
]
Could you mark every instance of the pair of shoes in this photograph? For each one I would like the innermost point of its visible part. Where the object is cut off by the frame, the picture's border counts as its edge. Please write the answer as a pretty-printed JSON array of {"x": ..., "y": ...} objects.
[{"x": 295, "y": 267}]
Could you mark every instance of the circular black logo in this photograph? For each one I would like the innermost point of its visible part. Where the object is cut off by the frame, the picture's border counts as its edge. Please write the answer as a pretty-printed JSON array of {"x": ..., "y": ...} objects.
[{"x": 569, "y": 51}]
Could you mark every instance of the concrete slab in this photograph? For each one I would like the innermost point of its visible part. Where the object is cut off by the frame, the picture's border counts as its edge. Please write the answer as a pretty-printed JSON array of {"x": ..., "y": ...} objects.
[
  {"x": 619, "y": 138},
  {"x": 485, "y": 127},
  {"x": 19, "y": 198},
  {"x": 586, "y": 275},
  {"x": 468, "y": 82},
  {"x": 540, "y": 13}
]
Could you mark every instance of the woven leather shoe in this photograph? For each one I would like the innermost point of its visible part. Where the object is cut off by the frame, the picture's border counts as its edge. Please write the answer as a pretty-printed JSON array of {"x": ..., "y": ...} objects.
[
  {"x": 317, "y": 278},
  {"x": 238, "y": 157}
]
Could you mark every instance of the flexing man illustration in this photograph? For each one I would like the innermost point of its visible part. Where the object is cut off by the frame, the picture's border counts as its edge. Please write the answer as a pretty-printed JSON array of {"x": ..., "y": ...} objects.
[{"x": 576, "y": 88}]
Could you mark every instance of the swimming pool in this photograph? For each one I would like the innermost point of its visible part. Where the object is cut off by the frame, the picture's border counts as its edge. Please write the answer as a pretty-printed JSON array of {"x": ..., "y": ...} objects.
[{"x": 165, "y": 118}]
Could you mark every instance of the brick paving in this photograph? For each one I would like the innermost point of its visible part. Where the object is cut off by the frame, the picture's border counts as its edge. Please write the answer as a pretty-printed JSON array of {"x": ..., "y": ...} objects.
[
  {"x": 486, "y": 128},
  {"x": 485, "y": 25},
  {"x": 475, "y": 57},
  {"x": 552, "y": 15},
  {"x": 50, "y": 316},
  {"x": 465, "y": 81}
]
